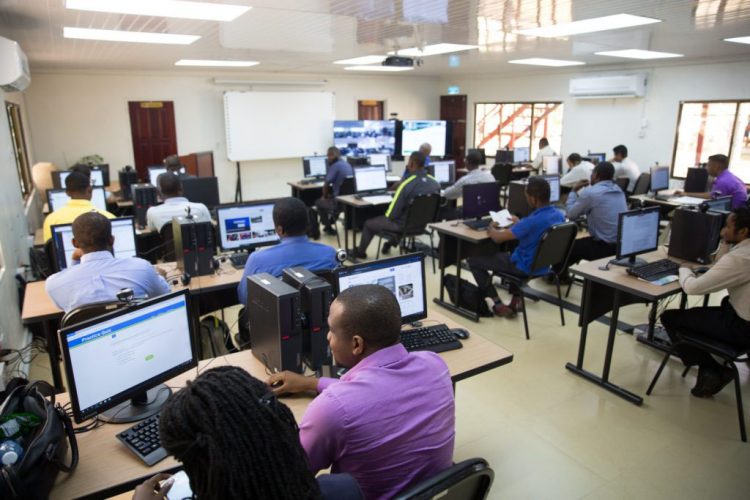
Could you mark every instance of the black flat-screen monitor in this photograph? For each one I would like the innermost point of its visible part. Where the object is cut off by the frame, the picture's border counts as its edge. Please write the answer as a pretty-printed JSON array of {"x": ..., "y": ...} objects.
[
  {"x": 504, "y": 156},
  {"x": 480, "y": 199},
  {"x": 637, "y": 233},
  {"x": 59, "y": 176},
  {"x": 554, "y": 187},
  {"x": 201, "y": 190},
  {"x": 315, "y": 167},
  {"x": 380, "y": 159},
  {"x": 370, "y": 178},
  {"x": 596, "y": 158},
  {"x": 720, "y": 204},
  {"x": 123, "y": 230},
  {"x": 443, "y": 171},
  {"x": 154, "y": 173},
  {"x": 417, "y": 132},
  {"x": 364, "y": 137},
  {"x": 521, "y": 155},
  {"x": 243, "y": 226},
  {"x": 57, "y": 198},
  {"x": 659, "y": 179}
]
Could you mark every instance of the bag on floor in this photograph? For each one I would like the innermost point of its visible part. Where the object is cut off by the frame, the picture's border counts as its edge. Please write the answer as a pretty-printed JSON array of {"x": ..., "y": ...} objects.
[{"x": 470, "y": 297}]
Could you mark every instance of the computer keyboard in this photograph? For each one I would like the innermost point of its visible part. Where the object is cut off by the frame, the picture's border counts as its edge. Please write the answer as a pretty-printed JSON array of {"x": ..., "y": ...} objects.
[
  {"x": 435, "y": 338},
  {"x": 143, "y": 440},
  {"x": 478, "y": 224},
  {"x": 377, "y": 200},
  {"x": 239, "y": 259},
  {"x": 655, "y": 270}
]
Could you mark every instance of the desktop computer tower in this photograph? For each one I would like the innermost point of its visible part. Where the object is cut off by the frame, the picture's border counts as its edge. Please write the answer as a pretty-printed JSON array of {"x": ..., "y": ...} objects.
[
  {"x": 128, "y": 177},
  {"x": 316, "y": 295},
  {"x": 694, "y": 234},
  {"x": 275, "y": 322},
  {"x": 194, "y": 245},
  {"x": 144, "y": 196}
]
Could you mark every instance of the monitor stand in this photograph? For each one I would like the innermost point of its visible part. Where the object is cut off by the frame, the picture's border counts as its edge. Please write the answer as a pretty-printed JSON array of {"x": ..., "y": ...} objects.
[
  {"x": 631, "y": 262},
  {"x": 141, "y": 406}
]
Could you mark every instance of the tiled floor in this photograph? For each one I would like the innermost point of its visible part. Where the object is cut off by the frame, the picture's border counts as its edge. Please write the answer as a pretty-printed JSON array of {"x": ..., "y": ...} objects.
[{"x": 550, "y": 434}]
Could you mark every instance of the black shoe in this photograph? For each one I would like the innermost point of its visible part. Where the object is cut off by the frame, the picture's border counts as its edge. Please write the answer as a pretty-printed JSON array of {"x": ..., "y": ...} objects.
[
  {"x": 330, "y": 231},
  {"x": 711, "y": 381},
  {"x": 726, "y": 375},
  {"x": 358, "y": 254},
  {"x": 386, "y": 248}
]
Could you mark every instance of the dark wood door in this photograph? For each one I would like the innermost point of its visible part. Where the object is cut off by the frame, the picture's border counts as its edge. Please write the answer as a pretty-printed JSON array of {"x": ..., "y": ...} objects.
[
  {"x": 152, "y": 127},
  {"x": 370, "y": 110},
  {"x": 453, "y": 110}
]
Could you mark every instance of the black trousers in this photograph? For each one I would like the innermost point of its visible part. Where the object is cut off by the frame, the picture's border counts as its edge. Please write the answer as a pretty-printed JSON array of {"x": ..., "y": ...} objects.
[
  {"x": 483, "y": 266},
  {"x": 327, "y": 208},
  {"x": 718, "y": 323},
  {"x": 375, "y": 225},
  {"x": 588, "y": 249}
]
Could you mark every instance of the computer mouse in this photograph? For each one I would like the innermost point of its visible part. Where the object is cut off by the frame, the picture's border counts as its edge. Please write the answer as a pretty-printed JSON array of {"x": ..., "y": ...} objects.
[{"x": 460, "y": 333}]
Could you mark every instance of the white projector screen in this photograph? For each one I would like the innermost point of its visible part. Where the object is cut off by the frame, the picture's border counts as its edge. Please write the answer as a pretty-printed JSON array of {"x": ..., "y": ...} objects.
[{"x": 266, "y": 125}]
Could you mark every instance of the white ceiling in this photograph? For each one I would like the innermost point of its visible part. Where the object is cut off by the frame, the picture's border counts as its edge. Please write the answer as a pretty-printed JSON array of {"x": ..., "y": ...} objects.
[{"x": 306, "y": 36}]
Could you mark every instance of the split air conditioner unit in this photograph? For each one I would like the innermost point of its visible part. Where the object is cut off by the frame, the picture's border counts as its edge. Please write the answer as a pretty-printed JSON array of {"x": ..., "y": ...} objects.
[
  {"x": 14, "y": 67},
  {"x": 601, "y": 87}
]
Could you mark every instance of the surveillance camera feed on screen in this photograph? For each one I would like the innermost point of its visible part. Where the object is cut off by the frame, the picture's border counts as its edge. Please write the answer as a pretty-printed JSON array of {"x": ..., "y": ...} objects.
[
  {"x": 417, "y": 132},
  {"x": 364, "y": 137},
  {"x": 244, "y": 226}
]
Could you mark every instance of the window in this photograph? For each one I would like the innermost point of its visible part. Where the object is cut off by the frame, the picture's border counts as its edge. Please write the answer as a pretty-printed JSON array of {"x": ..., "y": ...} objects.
[
  {"x": 709, "y": 128},
  {"x": 517, "y": 124},
  {"x": 19, "y": 148}
]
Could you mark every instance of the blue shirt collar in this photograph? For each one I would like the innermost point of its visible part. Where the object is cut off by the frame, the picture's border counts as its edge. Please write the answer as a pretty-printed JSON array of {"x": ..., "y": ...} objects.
[
  {"x": 293, "y": 239},
  {"x": 100, "y": 255}
]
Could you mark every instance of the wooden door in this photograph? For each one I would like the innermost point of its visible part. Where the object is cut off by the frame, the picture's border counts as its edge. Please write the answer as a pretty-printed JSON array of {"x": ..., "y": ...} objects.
[
  {"x": 453, "y": 110},
  {"x": 370, "y": 110},
  {"x": 152, "y": 127}
]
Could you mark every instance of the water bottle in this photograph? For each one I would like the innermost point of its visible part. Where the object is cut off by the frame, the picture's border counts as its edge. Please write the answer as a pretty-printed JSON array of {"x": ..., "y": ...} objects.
[{"x": 10, "y": 452}]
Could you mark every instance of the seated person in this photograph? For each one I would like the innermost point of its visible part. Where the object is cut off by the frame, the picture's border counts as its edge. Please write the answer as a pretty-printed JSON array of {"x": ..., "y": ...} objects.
[
  {"x": 418, "y": 183},
  {"x": 728, "y": 323},
  {"x": 100, "y": 276},
  {"x": 725, "y": 182},
  {"x": 425, "y": 148},
  {"x": 295, "y": 249},
  {"x": 579, "y": 170},
  {"x": 390, "y": 420},
  {"x": 528, "y": 231},
  {"x": 251, "y": 423},
  {"x": 544, "y": 150},
  {"x": 475, "y": 175},
  {"x": 625, "y": 167},
  {"x": 601, "y": 204},
  {"x": 175, "y": 205},
  {"x": 338, "y": 170},
  {"x": 175, "y": 166},
  {"x": 78, "y": 188}
]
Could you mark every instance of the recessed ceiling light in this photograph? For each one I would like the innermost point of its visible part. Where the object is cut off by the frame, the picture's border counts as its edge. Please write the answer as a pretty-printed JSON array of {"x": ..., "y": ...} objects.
[
  {"x": 128, "y": 36},
  {"x": 163, "y": 8},
  {"x": 215, "y": 63},
  {"x": 379, "y": 68},
  {"x": 638, "y": 54},
  {"x": 540, "y": 61},
  {"x": 592, "y": 25},
  {"x": 739, "y": 39},
  {"x": 433, "y": 50},
  {"x": 361, "y": 60}
]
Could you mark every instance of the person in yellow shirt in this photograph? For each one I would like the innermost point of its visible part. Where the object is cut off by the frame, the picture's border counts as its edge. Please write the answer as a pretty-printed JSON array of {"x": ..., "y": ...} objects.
[{"x": 78, "y": 188}]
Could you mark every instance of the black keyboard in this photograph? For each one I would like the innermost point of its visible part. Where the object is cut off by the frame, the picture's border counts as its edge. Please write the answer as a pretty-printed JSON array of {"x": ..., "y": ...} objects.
[
  {"x": 359, "y": 196},
  {"x": 238, "y": 260},
  {"x": 143, "y": 440},
  {"x": 478, "y": 224},
  {"x": 436, "y": 338},
  {"x": 655, "y": 270}
]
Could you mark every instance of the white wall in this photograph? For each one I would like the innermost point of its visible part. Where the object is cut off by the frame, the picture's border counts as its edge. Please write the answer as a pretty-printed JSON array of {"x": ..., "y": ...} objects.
[
  {"x": 600, "y": 124},
  {"x": 73, "y": 115}
]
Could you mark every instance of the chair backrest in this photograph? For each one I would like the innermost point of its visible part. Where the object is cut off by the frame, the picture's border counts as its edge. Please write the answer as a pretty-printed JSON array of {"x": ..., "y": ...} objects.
[
  {"x": 622, "y": 182},
  {"x": 83, "y": 313},
  {"x": 467, "y": 480},
  {"x": 347, "y": 187},
  {"x": 502, "y": 173},
  {"x": 422, "y": 210},
  {"x": 555, "y": 246},
  {"x": 166, "y": 241},
  {"x": 643, "y": 184},
  {"x": 49, "y": 252}
]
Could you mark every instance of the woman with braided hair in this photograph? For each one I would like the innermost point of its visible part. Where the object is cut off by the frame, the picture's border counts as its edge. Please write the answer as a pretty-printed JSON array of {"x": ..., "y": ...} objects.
[{"x": 236, "y": 440}]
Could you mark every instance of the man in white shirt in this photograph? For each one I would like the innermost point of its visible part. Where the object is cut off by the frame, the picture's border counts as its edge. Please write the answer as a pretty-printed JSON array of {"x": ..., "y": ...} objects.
[
  {"x": 175, "y": 205},
  {"x": 579, "y": 170},
  {"x": 730, "y": 322},
  {"x": 475, "y": 175},
  {"x": 544, "y": 150},
  {"x": 625, "y": 167}
]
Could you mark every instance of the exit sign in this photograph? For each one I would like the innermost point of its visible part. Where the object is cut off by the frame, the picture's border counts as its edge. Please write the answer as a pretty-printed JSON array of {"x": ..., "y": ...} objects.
[{"x": 454, "y": 90}]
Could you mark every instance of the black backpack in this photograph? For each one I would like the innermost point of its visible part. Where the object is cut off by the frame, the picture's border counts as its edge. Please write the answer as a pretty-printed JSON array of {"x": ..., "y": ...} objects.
[{"x": 470, "y": 297}]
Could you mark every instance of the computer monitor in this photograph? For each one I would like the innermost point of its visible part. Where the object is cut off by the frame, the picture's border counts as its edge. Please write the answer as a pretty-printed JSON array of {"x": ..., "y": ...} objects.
[
  {"x": 696, "y": 180},
  {"x": 244, "y": 226},
  {"x": 554, "y": 187},
  {"x": 659, "y": 178},
  {"x": 370, "y": 178},
  {"x": 504, "y": 156},
  {"x": 482, "y": 155},
  {"x": 104, "y": 169},
  {"x": 154, "y": 173},
  {"x": 597, "y": 158},
  {"x": 116, "y": 363},
  {"x": 443, "y": 171},
  {"x": 403, "y": 276},
  {"x": 721, "y": 204},
  {"x": 637, "y": 233},
  {"x": 364, "y": 137},
  {"x": 417, "y": 132},
  {"x": 552, "y": 164},
  {"x": 201, "y": 190},
  {"x": 59, "y": 176},
  {"x": 520, "y": 155},
  {"x": 123, "y": 230},
  {"x": 480, "y": 199},
  {"x": 380, "y": 159},
  {"x": 315, "y": 167},
  {"x": 59, "y": 198}
]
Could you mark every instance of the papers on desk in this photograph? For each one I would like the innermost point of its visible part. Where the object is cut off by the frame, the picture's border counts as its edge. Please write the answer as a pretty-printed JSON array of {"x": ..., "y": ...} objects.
[
  {"x": 501, "y": 218},
  {"x": 687, "y": 200},
  {"x": 664, "y": 280},
  {"x": 378, "y": 200}
]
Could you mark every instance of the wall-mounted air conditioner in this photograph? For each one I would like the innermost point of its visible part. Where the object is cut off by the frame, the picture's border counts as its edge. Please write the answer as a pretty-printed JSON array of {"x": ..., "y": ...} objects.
[
  {"x": 14, "y": 67},
  {"x": 600, "y": 87}
]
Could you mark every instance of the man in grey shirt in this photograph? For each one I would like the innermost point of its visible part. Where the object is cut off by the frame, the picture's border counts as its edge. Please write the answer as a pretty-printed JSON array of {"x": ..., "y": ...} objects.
[{"x": 476, "y": 175}]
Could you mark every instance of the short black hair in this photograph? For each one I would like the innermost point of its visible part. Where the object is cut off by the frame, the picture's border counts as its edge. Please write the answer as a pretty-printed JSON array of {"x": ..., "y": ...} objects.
[
  {"x": 169, "y": 184},
  {"x": 82, "y": 168},
  {"x": 474, "y": 158},
  {"x": 605, "y": 171},
  {"x": 419, "y": 158},
  {"x": 721, "y": 160},
  {"x": 621, "y": 150},
  {"x": 373, "y": 313},
  {"x": 92, "y": 231},
  {"x": 574, "y": 158},
  {"x": 538, "y": 188},
  {"x": 291, "y": 214},
  {"x": 543, "y": 142},
  {"x": 172, "y": 162},
  {"x": 334, "y": 151},
  {"x": 77, "y": 182},
  {"x": 742, "y": 219}
]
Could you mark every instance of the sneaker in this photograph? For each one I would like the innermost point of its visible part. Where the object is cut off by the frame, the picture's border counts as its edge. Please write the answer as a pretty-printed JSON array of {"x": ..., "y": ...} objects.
[
  {"x": 358, "y": 254},
  {"x": 503, "y": 311},
  {"x": 386, "y": 250}
]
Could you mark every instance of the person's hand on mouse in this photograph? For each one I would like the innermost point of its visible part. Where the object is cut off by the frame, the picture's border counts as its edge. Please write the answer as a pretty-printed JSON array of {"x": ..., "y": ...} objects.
[
  {"x": 151, "y": 490},
  {"x": 287, "y": 382}
]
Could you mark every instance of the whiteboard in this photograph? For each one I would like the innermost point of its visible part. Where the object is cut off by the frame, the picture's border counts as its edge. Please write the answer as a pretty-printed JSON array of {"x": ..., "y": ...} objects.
[{"x": 266, "y": 125}]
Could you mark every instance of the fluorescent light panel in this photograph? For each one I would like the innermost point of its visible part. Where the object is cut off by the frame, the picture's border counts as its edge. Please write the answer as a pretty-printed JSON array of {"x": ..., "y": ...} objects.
[
  {"x": 361, "y": 60},
  {"x": 128, "y": 36},
  {"x": 215, "y": 63},
  {"x": 379, "y": 68},
  {"x": 540, "y": 61},
  {"x": 638, "y": 54},
  {"x": 739, "y": 39},
  {"x": 163, "y": 8},
  {"x": 434, "y": 50},
  {"x": 614, "y": 22}
]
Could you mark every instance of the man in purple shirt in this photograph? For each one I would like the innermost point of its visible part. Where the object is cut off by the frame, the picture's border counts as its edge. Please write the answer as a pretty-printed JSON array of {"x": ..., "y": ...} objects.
[
  {"x": 725, "y": 182},
  {"x": 390, "y": 420}
]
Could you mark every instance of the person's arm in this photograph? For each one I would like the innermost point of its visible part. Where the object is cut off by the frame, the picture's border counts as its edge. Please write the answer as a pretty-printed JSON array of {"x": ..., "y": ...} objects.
[
  {"x": 150, "y": 222},
  {"x": 580, "y": 205},
  {"x": 705, "y": 196},
  {"x": 724, "y": 274},
  {"x": 538, "y": 160},
  {"x": 322, "y": 432},
  {"x": 501, "y": 235},
  {"x": 454, "y": 192},
  {"x": 155, "y": 284}
]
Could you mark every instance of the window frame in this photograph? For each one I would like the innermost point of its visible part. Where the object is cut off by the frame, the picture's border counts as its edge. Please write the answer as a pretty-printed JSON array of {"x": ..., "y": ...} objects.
[
  {"x": 18, "y": 138},
  {"x": 522, "y": 103}
]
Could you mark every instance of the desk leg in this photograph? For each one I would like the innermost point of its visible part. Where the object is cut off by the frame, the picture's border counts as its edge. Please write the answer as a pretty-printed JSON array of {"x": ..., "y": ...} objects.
[
  {"x": 347, "y": 217},
  {"x": 354, "y": 228},
  {"x": 656, "y": 338},
  {"x": 196, "y": 308},
  {"x": 441, "y": 301},
  {"x": 50, "y": 335}
]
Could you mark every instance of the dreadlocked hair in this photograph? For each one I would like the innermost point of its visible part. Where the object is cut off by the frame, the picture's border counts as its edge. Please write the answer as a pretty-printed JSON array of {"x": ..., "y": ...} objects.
[{"x": 235, "y": 439}]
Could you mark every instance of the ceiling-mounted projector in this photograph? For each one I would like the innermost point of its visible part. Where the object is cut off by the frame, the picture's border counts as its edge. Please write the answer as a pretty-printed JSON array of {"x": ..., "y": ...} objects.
[{"x": 400, "y": 61}]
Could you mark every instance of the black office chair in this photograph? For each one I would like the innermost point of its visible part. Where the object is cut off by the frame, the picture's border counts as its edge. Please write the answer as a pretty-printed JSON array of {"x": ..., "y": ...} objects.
[
  {"x": 89, "y": 311},
  {"x": 467, "y": 480},
  {"x": 422, "y": 210},
  {"x": 643, "y": 184},
  {"x": 502, "y": 172},
  {"x": 166, "y": 243},
  {"x": 729, "y": 355},
  {"x": 553, "y": 250},
  {"x": 622, "y": 183}
]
